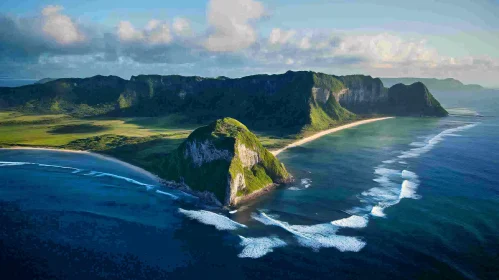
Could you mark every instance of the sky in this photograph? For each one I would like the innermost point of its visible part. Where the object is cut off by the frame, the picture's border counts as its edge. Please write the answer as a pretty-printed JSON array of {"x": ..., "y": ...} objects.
[{"x": 384, "y": 38}]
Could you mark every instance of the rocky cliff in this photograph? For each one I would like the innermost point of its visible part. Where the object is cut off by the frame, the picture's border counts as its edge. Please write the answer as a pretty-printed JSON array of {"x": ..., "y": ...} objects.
[
  {"x": 291, "y": 101},
  {"x": 413, "y": 100},
  {"x": 363, "y": 94},
  {"x": 448, "y": 84},
  {"x": 224, "y": 159}
]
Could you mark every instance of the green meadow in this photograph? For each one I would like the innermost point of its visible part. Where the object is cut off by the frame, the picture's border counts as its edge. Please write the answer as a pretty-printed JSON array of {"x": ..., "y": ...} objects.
[{"x": 137, "y": 140}]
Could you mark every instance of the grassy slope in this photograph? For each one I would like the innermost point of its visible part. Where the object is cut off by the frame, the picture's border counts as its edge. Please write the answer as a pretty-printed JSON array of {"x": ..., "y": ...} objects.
[
  {"x": 139, "y": 141},
  {"x": 224, "y": 134}
]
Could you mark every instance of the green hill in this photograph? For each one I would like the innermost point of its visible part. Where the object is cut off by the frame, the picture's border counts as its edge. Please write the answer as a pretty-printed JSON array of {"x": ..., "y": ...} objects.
[
  {"x": 448, "y": 84},
  {"x": 225, "y": 159},
  {"x": 293, "y": 101}
]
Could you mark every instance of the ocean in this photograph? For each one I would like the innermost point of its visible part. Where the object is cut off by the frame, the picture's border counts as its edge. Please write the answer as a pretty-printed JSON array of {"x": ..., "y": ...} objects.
[{"x": 405, "y": 198}]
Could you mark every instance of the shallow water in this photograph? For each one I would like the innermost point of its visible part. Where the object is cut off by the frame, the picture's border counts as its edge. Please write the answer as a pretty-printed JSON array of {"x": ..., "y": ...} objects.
[{"x": 403, "y": 198}]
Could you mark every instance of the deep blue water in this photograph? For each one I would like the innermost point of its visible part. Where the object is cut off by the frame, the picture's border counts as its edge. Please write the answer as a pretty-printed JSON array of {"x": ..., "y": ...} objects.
[{"x": 407, "y": 198}]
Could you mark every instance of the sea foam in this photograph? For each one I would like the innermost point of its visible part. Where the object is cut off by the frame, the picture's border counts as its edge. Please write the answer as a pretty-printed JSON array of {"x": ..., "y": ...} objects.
[
  {"x": 416, "y": 152},
  {"x": 315, "y": 236},
  {"x": 306, "y": 182},
  {"x": 9, "y": 163},
  {"x": 174, "y": 197},
  {"x": 209, "y": 218},
  {"x": 77, "y": 170},
  {"x": 258, "y": 247},
  {"x": 408, "y": 190},
  {"x": 378, "y": 211},
  {"x": 353, "y": 221},
  {"x": 406, "y": 174}
]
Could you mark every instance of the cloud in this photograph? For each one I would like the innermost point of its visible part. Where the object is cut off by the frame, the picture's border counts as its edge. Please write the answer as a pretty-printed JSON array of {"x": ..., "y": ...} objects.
[
  {"x": 231, "y": 23},
  {"x": 59, "y": 26},
  {"x": 126, "y": 32},
  {"x": 155, "y": 32},
  {"x": 53, "y": 44},
  {"x": 280, "y": 37},
  {"x": 181, "y": 26}
]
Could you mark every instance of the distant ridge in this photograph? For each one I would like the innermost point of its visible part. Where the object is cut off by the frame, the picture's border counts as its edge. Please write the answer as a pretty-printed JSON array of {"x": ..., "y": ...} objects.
[
  {"x": 448, "y": 84},
  {"x": 294, "y": 101},
  {"x": 45, "y": 80}
]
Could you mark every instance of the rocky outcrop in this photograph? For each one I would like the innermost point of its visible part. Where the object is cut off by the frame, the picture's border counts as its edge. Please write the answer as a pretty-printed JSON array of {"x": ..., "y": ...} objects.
[
  {"x": 413, "y": 100},
  {"x": 367, "y": 95},
  {"x": 225, "y": 159},
  {"x": 363, "y": 94},
  {"x": 292, "y": 101}
]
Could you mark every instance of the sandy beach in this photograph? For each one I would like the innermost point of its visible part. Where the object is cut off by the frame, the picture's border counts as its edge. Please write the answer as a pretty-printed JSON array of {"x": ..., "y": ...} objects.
[{"x": 325, "y": 132}]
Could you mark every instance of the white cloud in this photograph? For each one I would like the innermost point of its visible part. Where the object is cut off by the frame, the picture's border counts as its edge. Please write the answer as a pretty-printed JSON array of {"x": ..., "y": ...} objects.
[
  {"x": 126, "y": 32},
  {"x": 160, "y": 34},
  {"x": 305, "y": 43},
  {"x": 388, "y": 51},
  {"x": 60, "y": 27},
  {"x": 231, "y": 23},
  {"x": 155, "y": 32},
  {"x": 181, "y": 26},
  {"x": 280, "y": 37}
]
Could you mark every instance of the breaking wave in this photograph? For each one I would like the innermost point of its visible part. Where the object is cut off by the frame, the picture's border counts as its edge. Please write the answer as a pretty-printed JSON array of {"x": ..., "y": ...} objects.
[
  {"x": 103, "y": 174},
  {"x": 260, "y": 246},
  {"x": 315, "y": 236},
  {"x": 353, "y": 221},
  {"x": 220, "y": 222},
  {"x": 83, "y": 172},
  {"x": 416, "y": 152},
  {"x": 395, "y": 185},
  {"x": 306, "y": 182},
  {"x": 174, "y": 197}
]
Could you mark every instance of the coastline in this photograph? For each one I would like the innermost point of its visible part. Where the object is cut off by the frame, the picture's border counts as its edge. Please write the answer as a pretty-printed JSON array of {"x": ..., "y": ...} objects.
[
  {"x": 326, "y": 132},
  {"x": 239, "y": 202},
  {"x": 103, "y": 156}
]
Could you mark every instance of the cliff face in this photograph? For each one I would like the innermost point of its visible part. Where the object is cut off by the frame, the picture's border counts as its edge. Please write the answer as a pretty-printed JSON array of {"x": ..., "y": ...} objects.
[
  {"x": 291, "y": 101},
  {"x": 363, "y": 95},
  {"x": 224, "y": 159},
  {"x": 448, "y": 84},
  {"x": 413, "y": 100}
]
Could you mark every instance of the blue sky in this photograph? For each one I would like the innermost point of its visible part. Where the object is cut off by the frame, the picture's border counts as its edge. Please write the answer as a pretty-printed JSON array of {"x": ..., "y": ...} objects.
[{"x": 423, "y": 38}]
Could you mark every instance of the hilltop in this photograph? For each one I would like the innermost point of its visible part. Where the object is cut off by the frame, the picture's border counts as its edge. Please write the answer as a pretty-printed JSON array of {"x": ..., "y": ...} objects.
[
  {"x": 293, "y": 101},
  {"x": 448, "y": 84},
  {"x": 225, "y": 159}
]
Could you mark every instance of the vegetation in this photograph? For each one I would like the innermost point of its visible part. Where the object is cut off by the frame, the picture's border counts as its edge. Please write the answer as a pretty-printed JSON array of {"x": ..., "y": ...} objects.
[
  {"x": 434, "y": 84},
  {"x": 415, "y": 99},
  {"x": 211, "y": 159},
  {"x": 282, "y": 102},
  {"x": 147, "y": 120}
]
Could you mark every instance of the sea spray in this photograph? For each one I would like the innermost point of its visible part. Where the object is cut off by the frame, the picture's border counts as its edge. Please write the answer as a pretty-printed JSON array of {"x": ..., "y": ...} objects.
[
  {"x": 260, "y": 246},
  {"x": 315, "y": 236},
  {"x": 220, "y": 222}
]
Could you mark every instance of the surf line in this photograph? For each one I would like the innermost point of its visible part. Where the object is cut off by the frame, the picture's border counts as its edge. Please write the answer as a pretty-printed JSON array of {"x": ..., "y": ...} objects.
[{"x": 326, "y": 132}]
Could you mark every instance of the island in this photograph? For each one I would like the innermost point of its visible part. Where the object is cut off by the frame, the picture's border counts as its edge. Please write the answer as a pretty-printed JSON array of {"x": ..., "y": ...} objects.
[
  {"x": 224, "y": 159},
  {"x": 189, "y": 130}
]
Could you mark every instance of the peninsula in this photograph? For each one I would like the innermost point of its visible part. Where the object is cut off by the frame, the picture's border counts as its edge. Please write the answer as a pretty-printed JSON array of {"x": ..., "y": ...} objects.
[{"x": 189, "y": 130}]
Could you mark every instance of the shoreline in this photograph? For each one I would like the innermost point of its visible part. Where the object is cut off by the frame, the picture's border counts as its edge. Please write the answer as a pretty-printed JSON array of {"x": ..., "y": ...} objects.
[
  {"x": 239, "y": 202},
  {"x": 95, "y": 154},
  {"x": 326, "y": 132}
]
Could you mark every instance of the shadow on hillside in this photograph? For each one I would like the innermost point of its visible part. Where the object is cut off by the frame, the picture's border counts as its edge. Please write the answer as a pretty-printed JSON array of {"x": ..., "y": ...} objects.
[
  {"x": 148, "y": 155},
  {"x": 78, "y": 129}
]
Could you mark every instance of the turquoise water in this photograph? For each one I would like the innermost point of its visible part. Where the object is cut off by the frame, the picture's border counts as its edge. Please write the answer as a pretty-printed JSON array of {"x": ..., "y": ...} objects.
[{"x": 404, "y": 198}]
